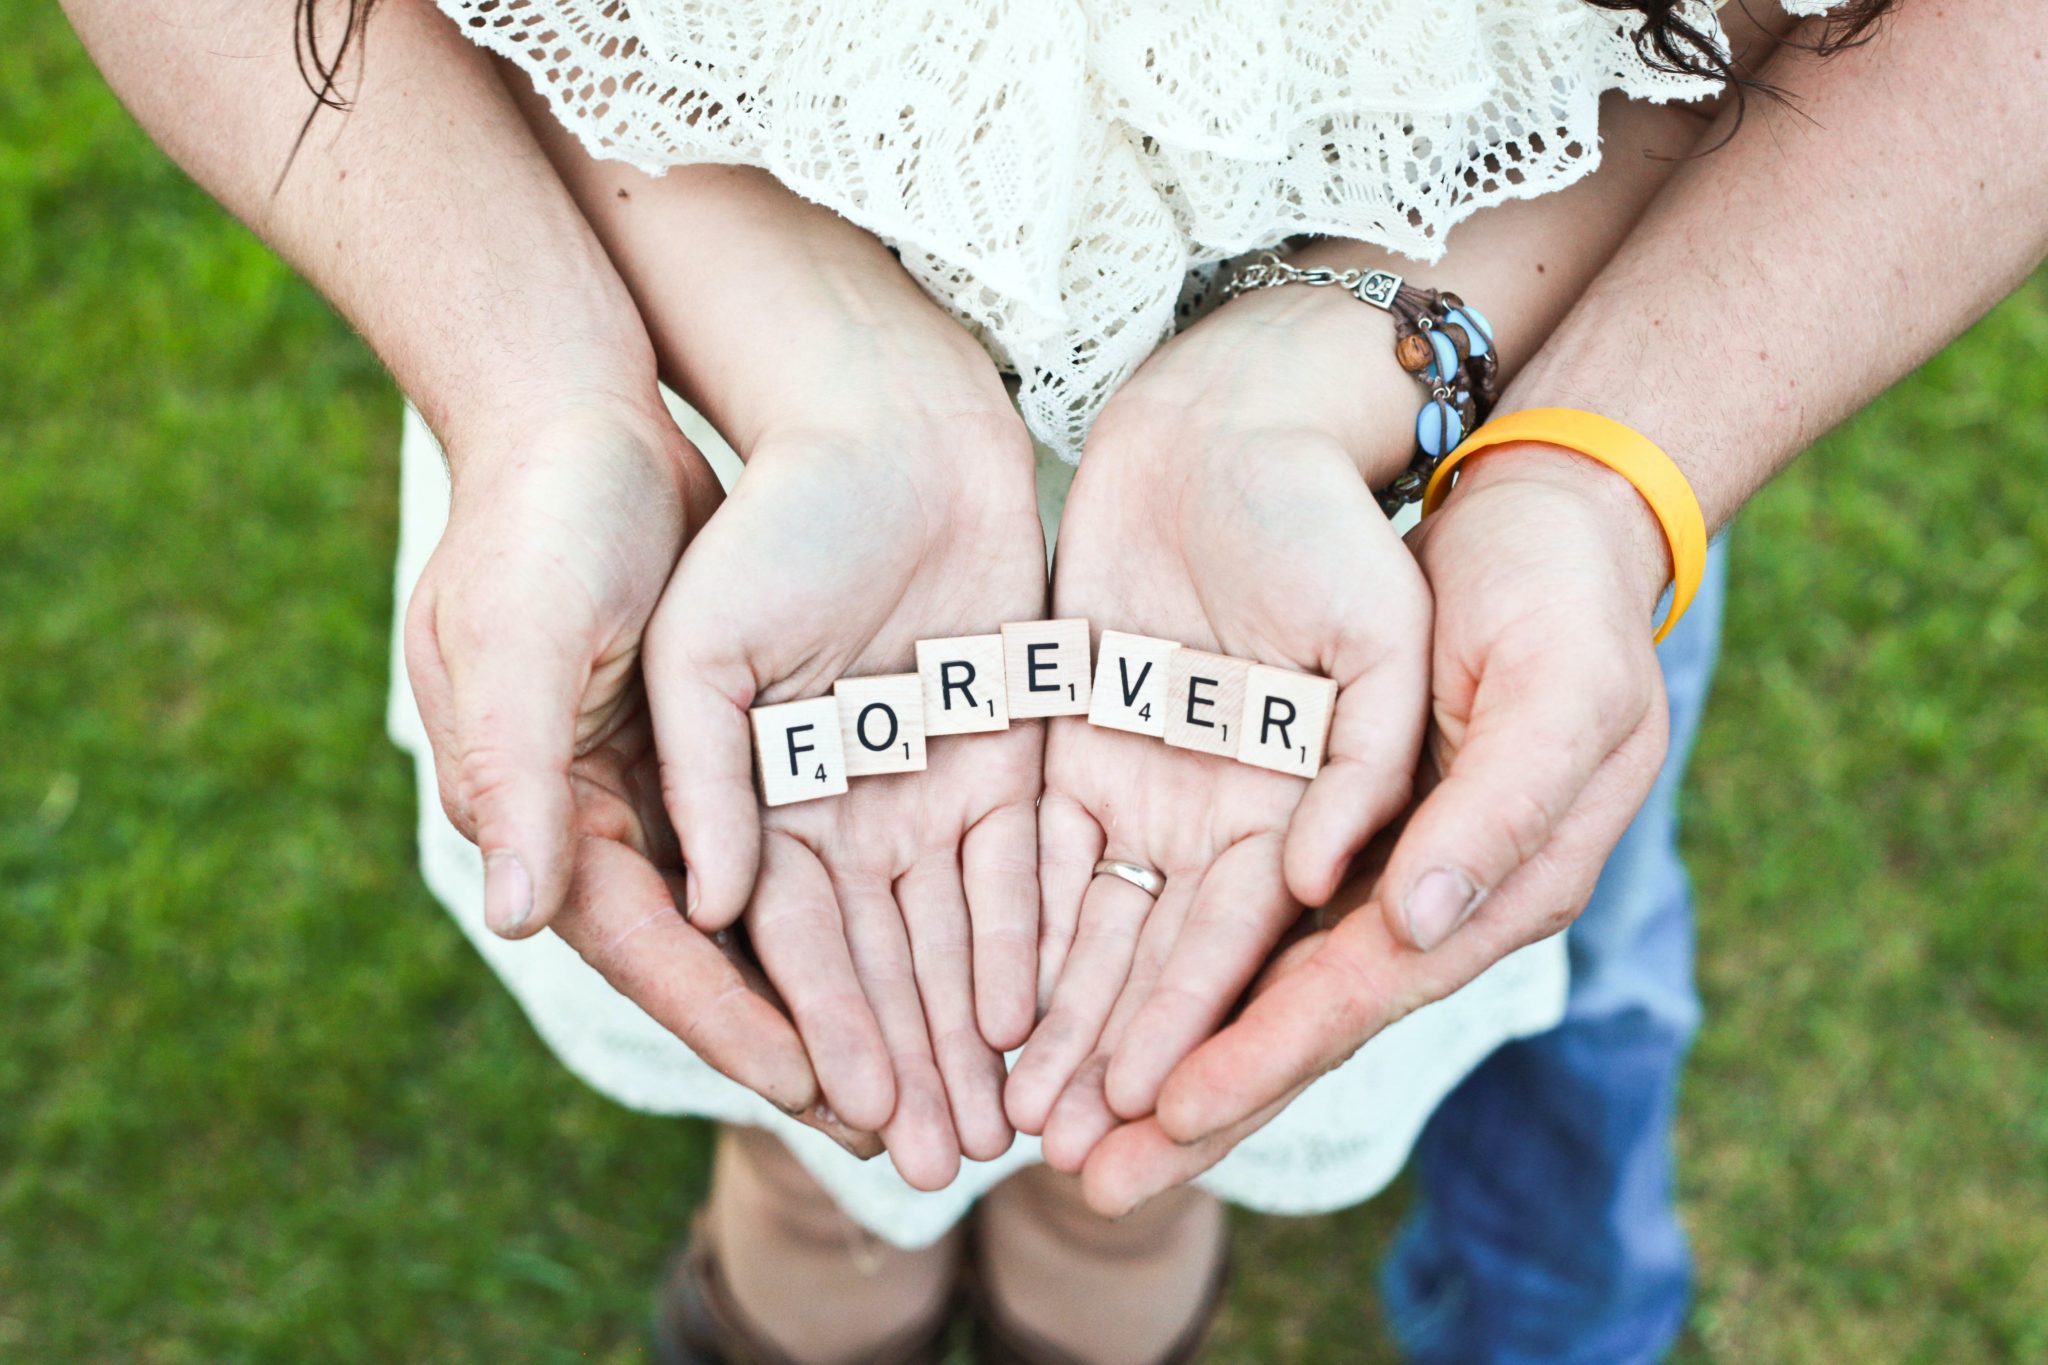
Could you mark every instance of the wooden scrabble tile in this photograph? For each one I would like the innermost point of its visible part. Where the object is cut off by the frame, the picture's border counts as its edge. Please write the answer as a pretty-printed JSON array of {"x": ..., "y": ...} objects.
[
  {"x": 1045, "y": 668},
  {"x": 964, "y": 692},
  {"x": 1130, "y": 683},
  {"x": 1205, "y": 701},
  {"x": 1286, "y": 723},
  {"x": 797, "y": 754},
  {"x": 881, "y": 724}
]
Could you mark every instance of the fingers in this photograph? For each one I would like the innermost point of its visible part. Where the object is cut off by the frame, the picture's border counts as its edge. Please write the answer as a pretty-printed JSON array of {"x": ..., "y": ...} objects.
[
  {"x": 999, "y": 865},
  {"x": 1080, "y": 1119},
  {"x": 919, "y": 1133},
  {"x": 1069, "y": 845},
  {"x": 1082, "y": 1115},
  {"x": 1537, "y": 733},
  {"x": 1300, "y": 1027},
  {"x": 1112, "y": 915},
  {"x": 935, "y": 914},
  {"x": 1239, "y": 913},
  {"x": 1362, "y": 977},
  {"x": 1375, "y": 740},
  {"x": 795, "y": 924},
  {"x": 504, "y": 744},
  {"x": 623, "y": 921},
  {"x": 707, "y": 770},
  {"x": 1139, "y": 1161}
]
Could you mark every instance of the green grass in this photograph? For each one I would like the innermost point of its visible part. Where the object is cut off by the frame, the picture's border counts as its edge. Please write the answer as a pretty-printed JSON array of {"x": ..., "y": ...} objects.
[{"x": 258, "y": 1101}]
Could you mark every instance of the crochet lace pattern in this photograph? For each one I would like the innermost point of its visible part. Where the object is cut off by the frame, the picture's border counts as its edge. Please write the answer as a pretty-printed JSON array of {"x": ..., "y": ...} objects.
[{"x": 1054, "y": 172}]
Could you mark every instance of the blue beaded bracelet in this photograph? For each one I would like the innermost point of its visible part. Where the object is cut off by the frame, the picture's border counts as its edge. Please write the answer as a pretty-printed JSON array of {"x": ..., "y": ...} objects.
[{"x": 1439, "y": 338}]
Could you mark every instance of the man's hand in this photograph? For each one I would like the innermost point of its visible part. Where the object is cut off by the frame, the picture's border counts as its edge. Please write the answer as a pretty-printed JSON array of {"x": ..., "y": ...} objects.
[
  {"x": 523, "y": 635},
  {"x": 523, "y": 644},
  {"x": 1548, "y": 730},
  {"x": 1222, "y": 505}
]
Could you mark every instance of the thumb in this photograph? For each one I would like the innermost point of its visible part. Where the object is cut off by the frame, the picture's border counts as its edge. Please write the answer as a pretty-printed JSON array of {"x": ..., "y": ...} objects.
[
  {"x": 1539, "y": 728},
  {"x": 508, "y": 692},
  {"x": 705, "y": 743}
]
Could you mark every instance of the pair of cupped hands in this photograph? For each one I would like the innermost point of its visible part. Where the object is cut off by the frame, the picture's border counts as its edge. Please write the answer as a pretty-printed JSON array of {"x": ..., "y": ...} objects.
[{"x": 597, "y": 620}]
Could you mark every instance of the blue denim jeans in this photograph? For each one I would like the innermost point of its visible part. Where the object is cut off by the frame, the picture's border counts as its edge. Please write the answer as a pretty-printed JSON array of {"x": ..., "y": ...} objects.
[{"x": 1545, "y": 1229}]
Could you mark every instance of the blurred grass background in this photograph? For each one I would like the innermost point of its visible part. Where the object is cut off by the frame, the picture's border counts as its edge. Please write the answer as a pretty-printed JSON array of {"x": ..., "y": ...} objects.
[{"x": 258, "y": 1102}]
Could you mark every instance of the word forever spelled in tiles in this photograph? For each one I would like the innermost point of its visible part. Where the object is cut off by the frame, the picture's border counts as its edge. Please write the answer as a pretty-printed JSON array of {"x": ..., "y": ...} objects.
[
  {"x": 1130, "y": 683},
  {"x": 797, "y": 750},
  {"x": 881, "y": 724},
  {"x": 1286, "y": 722},
  {"x": 1205, "y": 701},
  {"x": 972, "y": 684},
  {"x": 1045, "y": 668},
  {"x": 964, "y": 688}
]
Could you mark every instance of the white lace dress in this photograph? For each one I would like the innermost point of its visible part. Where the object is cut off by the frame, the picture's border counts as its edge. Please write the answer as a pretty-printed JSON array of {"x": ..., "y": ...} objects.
[{"x": 1055, "y": 172}]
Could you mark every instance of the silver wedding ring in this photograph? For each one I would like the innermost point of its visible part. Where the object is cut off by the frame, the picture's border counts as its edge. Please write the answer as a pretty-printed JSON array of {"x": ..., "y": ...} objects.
[{"x": 1137, "y": 874}]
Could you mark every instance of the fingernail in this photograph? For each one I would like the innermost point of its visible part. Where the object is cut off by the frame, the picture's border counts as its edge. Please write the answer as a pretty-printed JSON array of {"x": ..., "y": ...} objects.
[
  {"x": 508, "y": 892},
  {"x": 1440, "y": 902},
  {"x": 691, "y": 897}
]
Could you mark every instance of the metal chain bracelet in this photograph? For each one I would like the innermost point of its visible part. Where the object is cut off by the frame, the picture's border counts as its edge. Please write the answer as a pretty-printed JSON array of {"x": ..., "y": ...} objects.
[{"x": 1439, "y": 338}]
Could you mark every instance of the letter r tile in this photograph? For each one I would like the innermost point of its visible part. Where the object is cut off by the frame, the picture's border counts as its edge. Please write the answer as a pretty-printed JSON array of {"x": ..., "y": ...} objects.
[
  {"x": 964, "y": 688},
  {"x": 1287, "y": 717}
]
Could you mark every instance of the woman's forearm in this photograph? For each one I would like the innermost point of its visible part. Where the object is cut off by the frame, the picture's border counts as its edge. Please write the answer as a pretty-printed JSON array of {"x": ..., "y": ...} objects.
[
  {"x": 426, "y": 214},
  {"x": 1780, "y": 283},
  {"x": 1520, "y": 263}
]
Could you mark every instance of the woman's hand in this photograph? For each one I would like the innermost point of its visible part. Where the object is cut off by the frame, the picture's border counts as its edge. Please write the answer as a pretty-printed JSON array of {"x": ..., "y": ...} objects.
[
  {"x": 523, "y": 644},
  {"x": 1222, "y": 505},
  {"x": 1549, "y": 728},
  {"x": 888, "y": 497}
]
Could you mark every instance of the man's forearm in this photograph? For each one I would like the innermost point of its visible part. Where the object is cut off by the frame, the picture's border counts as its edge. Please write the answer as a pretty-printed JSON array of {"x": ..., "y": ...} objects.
[
  {"x": 1780, "y": 283},
  {"x": 427, "y": 214}
]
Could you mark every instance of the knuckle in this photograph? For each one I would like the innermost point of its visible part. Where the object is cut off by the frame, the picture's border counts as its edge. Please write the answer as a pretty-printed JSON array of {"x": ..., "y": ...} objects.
[
  {"x": 1615, "y": 684},
  {"x": 463, "y": 618},
  {"x": 485, "y": 774},
  {"x": 452, "y": 805},
  {"x": 711, "y": 1016},
  {"x": 1557, "y": 917},
  {"x": 1354, "y": 993},
  {"x": 1178, "y": 1001},
  {"x": 824, "y": 1011},
  {"x": 1556, "y": 913},
  {"x": 1004, "y": 870},
  {"x": 419, "y": 632},
  {"x": 1521, "y": 824},
  {"x": 939, "y": 946},
  {"x": 958, "y": 1047},
  {"x": 996, "y": 942},
  {"x": 1359, "y": 1006}
]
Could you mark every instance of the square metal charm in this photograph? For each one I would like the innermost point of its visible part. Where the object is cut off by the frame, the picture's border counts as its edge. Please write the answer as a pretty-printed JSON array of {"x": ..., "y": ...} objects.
[{"x": 1378, "y": 288}]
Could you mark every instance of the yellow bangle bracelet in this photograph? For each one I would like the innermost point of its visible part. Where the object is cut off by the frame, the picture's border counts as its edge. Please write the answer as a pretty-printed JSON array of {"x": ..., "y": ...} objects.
[{"x": 1625, "y": 451}]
